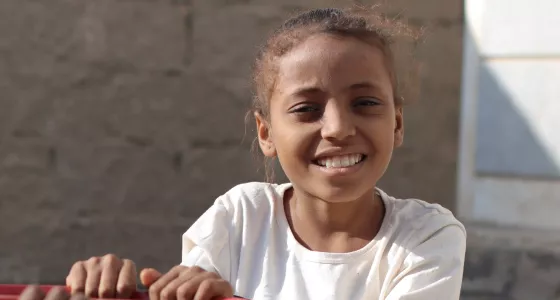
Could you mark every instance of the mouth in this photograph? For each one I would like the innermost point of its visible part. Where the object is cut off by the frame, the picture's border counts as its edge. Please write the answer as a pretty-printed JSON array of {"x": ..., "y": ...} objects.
[{"x": 340, "y": 161}]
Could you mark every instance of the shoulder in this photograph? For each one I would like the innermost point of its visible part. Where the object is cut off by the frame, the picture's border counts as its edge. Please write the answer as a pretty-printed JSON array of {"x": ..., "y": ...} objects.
[
  {"x": 415, "y": 221},
  {"x": 243, "y": 210},
  {"x": 248, "y": 203},
  {"x": 251, "y": 195},
  {"x": 428, "y": 245}
]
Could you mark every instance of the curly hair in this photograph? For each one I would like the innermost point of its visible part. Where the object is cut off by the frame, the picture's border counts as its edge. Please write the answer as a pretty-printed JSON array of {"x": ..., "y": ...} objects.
[{"x": 365, "y": 24}]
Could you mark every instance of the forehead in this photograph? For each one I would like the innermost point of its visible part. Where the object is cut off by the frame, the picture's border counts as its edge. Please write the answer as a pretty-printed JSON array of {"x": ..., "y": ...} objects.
[{"x": 332, "y": 62}]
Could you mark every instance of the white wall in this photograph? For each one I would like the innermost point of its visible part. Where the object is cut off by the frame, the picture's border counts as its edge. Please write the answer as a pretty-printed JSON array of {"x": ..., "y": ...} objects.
[{"x": 509, "y": 169}]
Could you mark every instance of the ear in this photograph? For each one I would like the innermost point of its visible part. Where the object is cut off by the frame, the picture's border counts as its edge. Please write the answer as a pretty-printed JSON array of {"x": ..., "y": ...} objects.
[
  {"x": 399, "y": 127},
  {"x": 264, "y": 135}
]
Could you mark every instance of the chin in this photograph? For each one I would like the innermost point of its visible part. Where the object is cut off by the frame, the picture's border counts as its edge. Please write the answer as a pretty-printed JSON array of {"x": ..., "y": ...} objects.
[{"x": 342, "y": 193}]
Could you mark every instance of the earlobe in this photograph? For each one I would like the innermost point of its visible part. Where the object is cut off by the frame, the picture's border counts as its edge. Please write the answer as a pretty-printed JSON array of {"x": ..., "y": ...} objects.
[
  {"x": 399, "y": 127},
  {"x": 264, "y": 135}
]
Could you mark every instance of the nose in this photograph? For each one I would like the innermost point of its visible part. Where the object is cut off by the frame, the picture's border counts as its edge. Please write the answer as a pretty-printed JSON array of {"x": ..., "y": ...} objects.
[{"x": 338, "y": 122}]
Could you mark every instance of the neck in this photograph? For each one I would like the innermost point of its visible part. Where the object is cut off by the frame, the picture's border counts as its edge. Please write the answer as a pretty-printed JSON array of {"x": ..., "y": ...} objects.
[{"x": 318, "y": 223}]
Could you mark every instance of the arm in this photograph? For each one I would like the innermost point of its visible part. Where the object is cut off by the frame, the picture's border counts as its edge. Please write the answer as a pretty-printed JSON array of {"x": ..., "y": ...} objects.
[
  {"x": 197, "y": 257},
  {"x": 433, "y": 269},
  {"x": 206, "y": 242}
]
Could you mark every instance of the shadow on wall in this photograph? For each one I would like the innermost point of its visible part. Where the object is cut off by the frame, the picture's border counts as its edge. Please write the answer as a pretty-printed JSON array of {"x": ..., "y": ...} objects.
[
  {"x": 506, "y": 143},
  {"x": 507, "y": 146}
]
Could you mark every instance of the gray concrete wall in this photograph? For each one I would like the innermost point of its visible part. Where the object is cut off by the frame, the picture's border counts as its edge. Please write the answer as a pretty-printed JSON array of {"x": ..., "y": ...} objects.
[{"x": 121, "y": 121}]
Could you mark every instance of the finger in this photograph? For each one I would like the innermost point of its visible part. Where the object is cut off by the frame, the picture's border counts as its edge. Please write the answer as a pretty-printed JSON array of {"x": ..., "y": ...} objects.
[
  {"x": 76, "y": 280},
  {"x": 189, "y": 280},
  {"x": 79, "y": 296},
  {"x": 111, "y": 267},
  {"x": 149, "y": 276},
  {"x": 57, "y": 293},
  {"x": 126, "y": 284},
  {"x": 213, "y": 288},
  {"x": 32, "y": 292},
  {"x": 163, "y": 281},
  {"x": 93, "y": 277}
]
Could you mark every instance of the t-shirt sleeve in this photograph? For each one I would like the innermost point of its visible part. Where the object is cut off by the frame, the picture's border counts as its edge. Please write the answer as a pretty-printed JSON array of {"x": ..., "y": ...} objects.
[
  {"x": 433, "y": 269},
  {"x": 206, "y": 243}
]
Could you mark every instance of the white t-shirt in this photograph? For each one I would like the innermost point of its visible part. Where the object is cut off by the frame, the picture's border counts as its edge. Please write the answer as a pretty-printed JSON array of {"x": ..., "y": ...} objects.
[{"x": 418, "y": 253}]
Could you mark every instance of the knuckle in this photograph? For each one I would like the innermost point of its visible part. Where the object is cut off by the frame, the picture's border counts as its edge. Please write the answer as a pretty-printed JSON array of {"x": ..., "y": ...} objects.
[
  {"x": 206, "y": 286},
  {"x": 125, "y": 287},
  {"x": 179, "y": 268},
  {"x": 154, "y": 289},
  {"x": 112, "y": 261},
  {"x": 185, "y": 291},
  {"x": 92, "y": 261},
  {"x": 128, "y": 261},
  {"x": 197, "y": 269},
  {"x": 205, "y": 289},
  {"x": 110, "y": 258},
  {"x": 77, "y": 269},
  {"x": 166, "y": 294}
]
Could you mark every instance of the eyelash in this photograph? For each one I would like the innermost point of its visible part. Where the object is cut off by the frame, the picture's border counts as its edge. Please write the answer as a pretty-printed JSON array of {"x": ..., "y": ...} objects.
[
  {"x": 367, "y": 101},
  {"x": 304, "y": 109}
]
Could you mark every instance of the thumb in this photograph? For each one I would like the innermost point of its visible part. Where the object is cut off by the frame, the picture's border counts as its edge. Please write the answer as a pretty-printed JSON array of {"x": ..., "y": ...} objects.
[{"x": 149, "y": 276}]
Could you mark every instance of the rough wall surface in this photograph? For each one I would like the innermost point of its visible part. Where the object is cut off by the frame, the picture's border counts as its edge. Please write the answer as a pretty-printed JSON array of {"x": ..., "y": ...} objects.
[
  {"x": 122, "y": 120},
  {"x": 511, "y": 264}
]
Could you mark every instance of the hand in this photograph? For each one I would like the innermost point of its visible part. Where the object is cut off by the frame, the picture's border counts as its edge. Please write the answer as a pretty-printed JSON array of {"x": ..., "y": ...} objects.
[
  {"x": 33, "y": 292},
  {"x": 184, "y": 283},
  {"x": 104, "y": 277}
]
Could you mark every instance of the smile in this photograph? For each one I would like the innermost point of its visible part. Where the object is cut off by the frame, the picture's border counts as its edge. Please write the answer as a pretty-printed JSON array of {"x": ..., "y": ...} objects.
[{"x": 341, "y": 161}]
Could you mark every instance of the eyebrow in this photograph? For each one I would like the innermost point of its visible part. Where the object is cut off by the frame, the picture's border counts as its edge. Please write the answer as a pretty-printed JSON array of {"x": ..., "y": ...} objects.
[
  {"x": 363, "y": 85},
  {"x": 355, "y": 86},
  {"x": 306, "y": 90}
]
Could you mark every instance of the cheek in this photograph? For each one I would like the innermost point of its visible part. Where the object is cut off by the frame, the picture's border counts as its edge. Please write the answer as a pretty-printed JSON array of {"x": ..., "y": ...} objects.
[
  {"x": 291, "y": 154},
  {"x": 380, "y": 132},
  {"x": 289, "y": 143},
  {"x": 293, "y": 141}
]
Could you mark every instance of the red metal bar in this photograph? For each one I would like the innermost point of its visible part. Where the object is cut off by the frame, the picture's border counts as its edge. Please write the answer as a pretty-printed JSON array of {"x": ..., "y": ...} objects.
[{"x": 12, "y": 292}]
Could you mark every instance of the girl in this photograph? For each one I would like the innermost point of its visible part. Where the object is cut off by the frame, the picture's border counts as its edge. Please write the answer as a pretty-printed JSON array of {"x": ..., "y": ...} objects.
[{"x": 327, "y": 106}]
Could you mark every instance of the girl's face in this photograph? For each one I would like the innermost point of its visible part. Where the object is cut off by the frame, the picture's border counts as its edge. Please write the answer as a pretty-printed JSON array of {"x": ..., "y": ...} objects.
[{"x": 333, "y": 122}]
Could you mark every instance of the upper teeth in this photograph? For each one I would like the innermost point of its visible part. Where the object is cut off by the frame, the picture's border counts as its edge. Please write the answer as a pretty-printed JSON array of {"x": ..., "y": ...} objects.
[{"x": 342, "y": 161}]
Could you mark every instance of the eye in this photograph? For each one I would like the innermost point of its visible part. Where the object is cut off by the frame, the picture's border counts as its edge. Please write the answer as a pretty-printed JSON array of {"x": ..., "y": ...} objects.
[
  {"x": 367, "y": 101},
  {"x": 304, "y": 108},
  {"x": 306, "y": 112}
]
